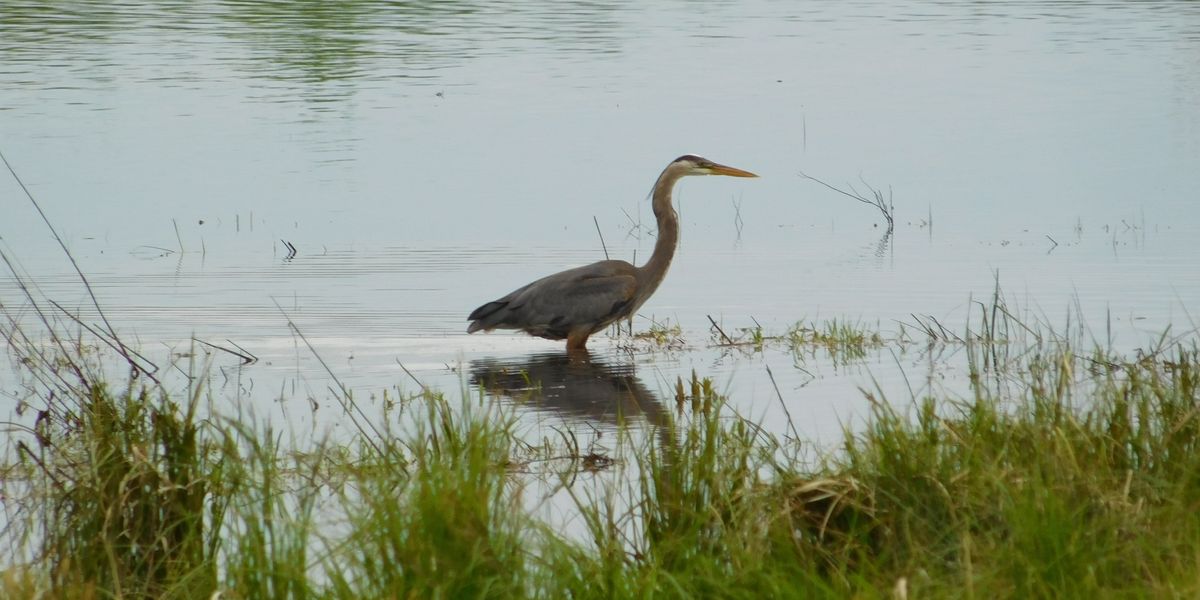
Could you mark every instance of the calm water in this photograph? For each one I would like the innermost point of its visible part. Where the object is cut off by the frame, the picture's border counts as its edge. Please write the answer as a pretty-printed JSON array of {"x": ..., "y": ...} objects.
[{"x": 425, "y": 158}]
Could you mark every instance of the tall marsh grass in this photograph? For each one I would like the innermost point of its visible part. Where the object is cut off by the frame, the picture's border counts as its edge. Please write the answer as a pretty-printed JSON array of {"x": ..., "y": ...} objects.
[{"x": 1068, "y": 470}]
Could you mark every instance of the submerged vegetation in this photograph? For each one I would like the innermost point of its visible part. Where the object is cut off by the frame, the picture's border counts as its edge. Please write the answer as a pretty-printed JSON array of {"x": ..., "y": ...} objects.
[
  {"x": 1068, "y": 470},
  {"x": 838, "y": 340}
]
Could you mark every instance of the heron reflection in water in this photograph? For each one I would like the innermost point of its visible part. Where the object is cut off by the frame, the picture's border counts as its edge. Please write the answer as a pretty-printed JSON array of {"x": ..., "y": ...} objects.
[
  {"x": 576, "y": 387},
  {"x": 576, "y": 303}
]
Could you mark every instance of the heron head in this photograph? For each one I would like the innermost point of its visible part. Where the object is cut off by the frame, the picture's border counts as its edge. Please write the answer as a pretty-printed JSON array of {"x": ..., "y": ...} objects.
[{"x": 695, "y": 165}]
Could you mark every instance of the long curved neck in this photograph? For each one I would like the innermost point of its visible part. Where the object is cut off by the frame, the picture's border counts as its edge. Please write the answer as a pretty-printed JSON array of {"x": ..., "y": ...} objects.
[{"x": 655, "y": 269}]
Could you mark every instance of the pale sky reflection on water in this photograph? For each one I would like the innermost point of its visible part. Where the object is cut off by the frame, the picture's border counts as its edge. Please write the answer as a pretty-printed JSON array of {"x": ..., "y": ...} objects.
[{"x": 425, "y": 159}]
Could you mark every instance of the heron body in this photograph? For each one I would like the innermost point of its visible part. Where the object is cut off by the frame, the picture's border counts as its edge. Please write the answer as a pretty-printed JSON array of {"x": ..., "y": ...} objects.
[{"x": 576, "y": 303}]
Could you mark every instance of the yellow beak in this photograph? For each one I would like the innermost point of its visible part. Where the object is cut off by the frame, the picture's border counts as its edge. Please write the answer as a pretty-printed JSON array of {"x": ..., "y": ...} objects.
[{"x": 730, "y": 171}]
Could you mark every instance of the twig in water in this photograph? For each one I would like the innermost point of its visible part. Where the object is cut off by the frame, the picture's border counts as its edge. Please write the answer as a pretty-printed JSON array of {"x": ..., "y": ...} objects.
[
  {"x": 786, "y": 412},
  {"x": 13, "y": 330},
  {"x": 737, "y": 216},
  {"x": 291, "y": 250},
  {"x": 605, "y": 248},
  {"x": 178, "y": 238},
  {"x": 113, "y": 343},
  {"x": 122, "y": 349},
  {"x": 165, "y": 251},
  {"x": 635, "y": 226},
  {"x": 720, "y": 331},
  {"x": 344, "y": 398},
  {"x": 414, "y": 377},
  {"x": 247, "y": 358},
  {"x": 940, "y": 334},
  {"x": 885, "y": 206}
]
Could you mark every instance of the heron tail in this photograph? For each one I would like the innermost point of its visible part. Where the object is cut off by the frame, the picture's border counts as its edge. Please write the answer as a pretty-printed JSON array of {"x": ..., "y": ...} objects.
[{"x": 487, "y": 316}]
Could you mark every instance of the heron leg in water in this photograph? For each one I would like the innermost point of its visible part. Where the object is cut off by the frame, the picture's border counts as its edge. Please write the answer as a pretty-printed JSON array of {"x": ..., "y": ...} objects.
[{"x": 577, "y": 340}]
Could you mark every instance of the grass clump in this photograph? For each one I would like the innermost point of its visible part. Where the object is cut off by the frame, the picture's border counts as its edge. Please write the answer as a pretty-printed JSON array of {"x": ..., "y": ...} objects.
[
  {"x": 700, "y": 520},
  {"x": 658, "y": 335},
  {"x": 1026, "y": 496},
  {"x": 131, "y": 496},
  {"x": 120, "y": 490},
  {"x": 267, "y": 529},
  {"x": 842, "y": 340},
  {"x": 446, "y": 526}
]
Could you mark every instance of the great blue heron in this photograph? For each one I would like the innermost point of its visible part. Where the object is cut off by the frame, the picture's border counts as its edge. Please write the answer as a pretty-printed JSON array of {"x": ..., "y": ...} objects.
[{"x": 576, "y": 303}]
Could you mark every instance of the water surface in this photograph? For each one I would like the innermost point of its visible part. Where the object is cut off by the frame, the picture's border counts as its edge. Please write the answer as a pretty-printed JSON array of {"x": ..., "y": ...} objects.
[{"x": 425, "y": 158}]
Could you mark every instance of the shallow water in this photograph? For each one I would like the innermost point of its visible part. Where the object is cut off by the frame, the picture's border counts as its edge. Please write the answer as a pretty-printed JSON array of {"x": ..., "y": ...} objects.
[{"x": 424, "y": 159}]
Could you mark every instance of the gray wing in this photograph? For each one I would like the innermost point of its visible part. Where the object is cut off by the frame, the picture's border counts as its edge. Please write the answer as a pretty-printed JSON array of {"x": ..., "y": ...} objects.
[{"x": 588, "y": 297}]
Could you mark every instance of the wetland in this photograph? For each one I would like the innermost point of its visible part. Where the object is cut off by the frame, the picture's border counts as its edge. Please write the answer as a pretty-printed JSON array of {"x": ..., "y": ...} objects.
[{"x": 284, "y": 212}]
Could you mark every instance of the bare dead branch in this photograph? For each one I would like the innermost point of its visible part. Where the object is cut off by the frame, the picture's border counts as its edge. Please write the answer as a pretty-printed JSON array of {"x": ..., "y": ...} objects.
[{"x": 877, "y": 199}]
